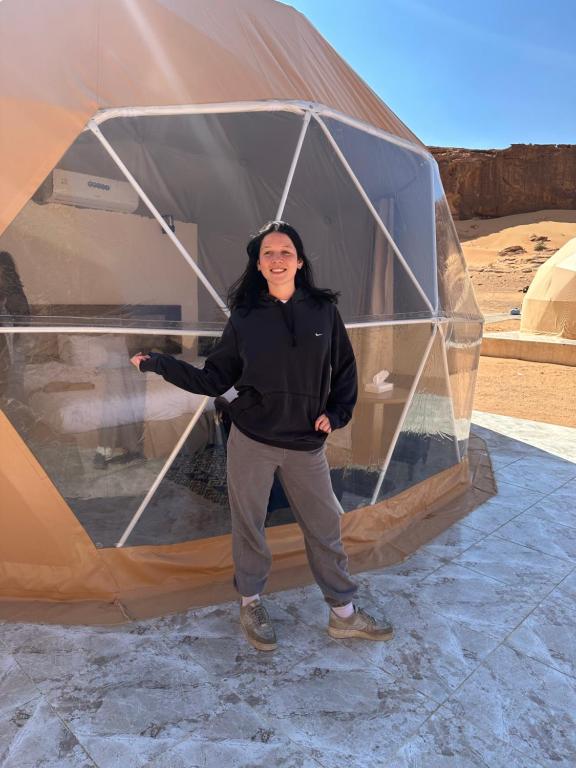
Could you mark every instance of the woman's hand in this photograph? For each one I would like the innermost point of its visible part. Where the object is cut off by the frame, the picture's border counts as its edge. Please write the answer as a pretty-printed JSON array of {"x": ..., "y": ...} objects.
[
  {"x": 322, "y": 424},
  {"x": 137, "y": 359}
]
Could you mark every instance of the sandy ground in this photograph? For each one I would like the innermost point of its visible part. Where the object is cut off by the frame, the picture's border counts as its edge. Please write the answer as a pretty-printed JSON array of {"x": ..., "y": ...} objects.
[
  {"x": 502, "y": 256},
  {"x": 499, "y": 273},
  {"x": 504, "y": 325},
  {"x": 535, "y": 391}
]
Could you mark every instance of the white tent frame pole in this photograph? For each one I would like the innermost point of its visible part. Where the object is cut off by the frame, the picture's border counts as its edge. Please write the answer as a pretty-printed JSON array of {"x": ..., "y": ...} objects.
[
  {"x": 372, "y": 130},
  {"x": 203, "y": 279},
  {"x": 139, "y": 512},
  {"x": 400, "y": 424},
  {"x": 187, "y": 332},
  {"x": 450, "y": 392},
  {"x": 222, "y": 108},
  {"x": 273, "y": 105},
  {"x": 435, "y": 240},
  {"x": 292, "y": 170},
  {"x": 372, "y": 210},
  {"x": 118, "y": 329},
  {"x": 199, "y": 274},
  {"x": 416, "y": 321}
]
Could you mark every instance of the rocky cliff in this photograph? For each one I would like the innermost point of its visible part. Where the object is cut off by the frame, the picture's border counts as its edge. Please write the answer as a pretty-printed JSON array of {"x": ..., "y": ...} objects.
[{"x": 502, "y": 182}]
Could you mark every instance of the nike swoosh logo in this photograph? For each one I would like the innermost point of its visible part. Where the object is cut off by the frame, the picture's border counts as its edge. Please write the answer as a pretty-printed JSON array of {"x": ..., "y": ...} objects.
[{"x": 317, "y": 334}]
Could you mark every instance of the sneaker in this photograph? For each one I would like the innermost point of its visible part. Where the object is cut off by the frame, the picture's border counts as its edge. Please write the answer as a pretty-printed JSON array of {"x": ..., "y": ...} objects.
[
  {"x": 257, "y": 626},
  {"x": 360, "y": 624}
]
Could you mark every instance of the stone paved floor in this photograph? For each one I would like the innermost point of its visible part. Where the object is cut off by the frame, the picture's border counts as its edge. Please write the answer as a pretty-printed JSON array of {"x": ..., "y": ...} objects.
[{"x": 482, "y": 671}]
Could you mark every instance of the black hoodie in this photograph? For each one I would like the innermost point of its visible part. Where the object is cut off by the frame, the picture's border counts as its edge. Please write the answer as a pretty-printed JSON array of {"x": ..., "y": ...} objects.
[{"x": 291, "y": 362}]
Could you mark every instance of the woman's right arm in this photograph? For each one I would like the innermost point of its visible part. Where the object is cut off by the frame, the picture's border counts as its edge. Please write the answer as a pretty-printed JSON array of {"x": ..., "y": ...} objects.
[{"x": 221, "y": 371}]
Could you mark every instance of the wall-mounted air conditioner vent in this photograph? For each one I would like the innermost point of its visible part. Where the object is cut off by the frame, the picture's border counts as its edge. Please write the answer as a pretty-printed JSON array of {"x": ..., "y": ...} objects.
[{"x": 86, "y": 191}]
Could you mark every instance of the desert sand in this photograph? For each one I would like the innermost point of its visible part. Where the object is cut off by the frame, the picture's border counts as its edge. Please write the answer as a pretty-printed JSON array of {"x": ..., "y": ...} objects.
[
  {"x": 502, "y": 256},
  {"x": 534, "y": 391}
]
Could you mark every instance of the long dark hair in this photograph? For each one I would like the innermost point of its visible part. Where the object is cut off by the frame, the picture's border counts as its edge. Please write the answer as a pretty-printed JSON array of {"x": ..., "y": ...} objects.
[{"x": 245, "y": 292}]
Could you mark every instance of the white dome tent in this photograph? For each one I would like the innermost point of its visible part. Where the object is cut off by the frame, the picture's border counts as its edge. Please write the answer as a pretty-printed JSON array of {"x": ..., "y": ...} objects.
[
  {"x": 129, "y": 239},
  {"x": 549, "y": 307}
]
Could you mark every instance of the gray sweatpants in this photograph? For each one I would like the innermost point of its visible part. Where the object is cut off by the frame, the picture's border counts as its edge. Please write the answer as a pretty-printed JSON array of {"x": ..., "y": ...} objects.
[{"x": 305, "y": 477}]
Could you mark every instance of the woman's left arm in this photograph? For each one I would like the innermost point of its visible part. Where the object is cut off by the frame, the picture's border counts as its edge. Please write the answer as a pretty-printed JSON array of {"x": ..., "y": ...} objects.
[{"x": 344, "y": 379}]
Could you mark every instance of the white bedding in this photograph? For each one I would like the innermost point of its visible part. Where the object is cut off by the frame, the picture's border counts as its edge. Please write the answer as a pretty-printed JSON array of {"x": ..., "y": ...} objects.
[{"x": 74, "y": 399}]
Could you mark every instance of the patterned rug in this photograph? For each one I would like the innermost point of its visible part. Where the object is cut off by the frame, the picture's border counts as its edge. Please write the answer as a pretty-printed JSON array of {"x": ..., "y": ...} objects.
[{"x": 203, "y": 473}]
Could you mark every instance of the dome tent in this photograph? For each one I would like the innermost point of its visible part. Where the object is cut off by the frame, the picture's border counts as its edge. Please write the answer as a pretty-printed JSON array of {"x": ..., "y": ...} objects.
[
  {"x": 549, "y": 306},
  {"x": 142, "y": 145}
]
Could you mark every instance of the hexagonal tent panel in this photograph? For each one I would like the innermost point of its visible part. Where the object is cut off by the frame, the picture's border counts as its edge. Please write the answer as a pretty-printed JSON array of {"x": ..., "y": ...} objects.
[{"x": 129, "y": 242}]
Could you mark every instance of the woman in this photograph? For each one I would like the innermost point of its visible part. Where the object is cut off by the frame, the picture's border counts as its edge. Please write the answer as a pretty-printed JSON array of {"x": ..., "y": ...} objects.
[{"x": 287, "y": 352}]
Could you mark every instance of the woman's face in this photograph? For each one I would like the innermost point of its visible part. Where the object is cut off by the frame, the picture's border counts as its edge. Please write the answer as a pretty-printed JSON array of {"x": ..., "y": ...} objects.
[{"x": 278, "y": 260}]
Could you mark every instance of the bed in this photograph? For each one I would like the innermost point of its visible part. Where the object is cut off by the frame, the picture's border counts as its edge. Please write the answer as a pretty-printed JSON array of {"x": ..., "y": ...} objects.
[{"x": 83, "y": 388}]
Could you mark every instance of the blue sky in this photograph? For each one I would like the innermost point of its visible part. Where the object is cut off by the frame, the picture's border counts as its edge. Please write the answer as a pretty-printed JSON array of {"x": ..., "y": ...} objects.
[{"x": 481, "y": 75}]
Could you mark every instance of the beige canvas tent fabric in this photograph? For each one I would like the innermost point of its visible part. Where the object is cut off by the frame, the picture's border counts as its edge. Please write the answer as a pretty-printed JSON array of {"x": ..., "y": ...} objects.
[
  {"x": 98, "y": 54},
  {"x": 550, "y": 304}
]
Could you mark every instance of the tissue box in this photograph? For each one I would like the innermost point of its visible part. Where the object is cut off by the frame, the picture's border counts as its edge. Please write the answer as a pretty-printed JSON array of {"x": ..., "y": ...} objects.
[{"x": 386, "y": 386}]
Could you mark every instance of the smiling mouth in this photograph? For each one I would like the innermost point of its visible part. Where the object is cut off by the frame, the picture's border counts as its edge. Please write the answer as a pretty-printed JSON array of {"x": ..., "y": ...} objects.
[{"x": 278, "y": 271}]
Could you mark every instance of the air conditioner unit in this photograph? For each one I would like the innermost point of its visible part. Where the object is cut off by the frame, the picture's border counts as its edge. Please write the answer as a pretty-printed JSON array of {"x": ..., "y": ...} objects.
[{"x": 87, "y": 191}]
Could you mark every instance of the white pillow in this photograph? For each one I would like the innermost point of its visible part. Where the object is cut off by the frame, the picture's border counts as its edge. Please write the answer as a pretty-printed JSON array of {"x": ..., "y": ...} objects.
[{"x": 93, "y": 350}]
